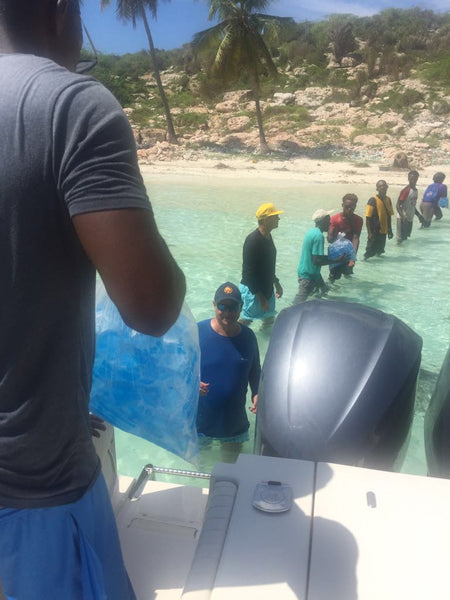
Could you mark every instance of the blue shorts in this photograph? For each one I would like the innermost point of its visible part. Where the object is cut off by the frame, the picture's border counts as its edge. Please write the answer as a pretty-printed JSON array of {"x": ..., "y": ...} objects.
[
  {"x": 251, "y": 308},
  {"x": 69, "y": 552}
]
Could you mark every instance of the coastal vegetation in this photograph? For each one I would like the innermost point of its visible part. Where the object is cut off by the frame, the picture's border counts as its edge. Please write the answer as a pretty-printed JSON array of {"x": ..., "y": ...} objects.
[
  {"x": 333, "y": 83},
  {"x": 134, "y": 10},
  {"x": 239, "y": 43}
]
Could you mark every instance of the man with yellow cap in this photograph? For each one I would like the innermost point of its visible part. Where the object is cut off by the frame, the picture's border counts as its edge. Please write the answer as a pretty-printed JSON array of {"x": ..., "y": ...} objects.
[{"x": 259, "y": 284}]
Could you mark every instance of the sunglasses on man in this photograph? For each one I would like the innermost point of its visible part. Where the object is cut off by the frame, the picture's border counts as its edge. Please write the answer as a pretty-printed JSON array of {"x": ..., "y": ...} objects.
[{"x": 232, "y": 306}]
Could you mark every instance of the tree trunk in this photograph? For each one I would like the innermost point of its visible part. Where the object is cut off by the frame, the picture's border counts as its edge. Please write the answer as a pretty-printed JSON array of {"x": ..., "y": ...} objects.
[
  {"x": 263, "y": 146},
  {"x": 172, "y": 136}
]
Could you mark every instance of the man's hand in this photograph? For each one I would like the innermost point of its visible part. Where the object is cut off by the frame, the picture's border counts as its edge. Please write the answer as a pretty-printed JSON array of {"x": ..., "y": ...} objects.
[
  {"x": 253, "y": 407},
  {"x": 278, "y": 290},
  {"x": 96, "y": 425},
  {"x": 390, "y": 234},
  {"x": 204, "y": 388}
]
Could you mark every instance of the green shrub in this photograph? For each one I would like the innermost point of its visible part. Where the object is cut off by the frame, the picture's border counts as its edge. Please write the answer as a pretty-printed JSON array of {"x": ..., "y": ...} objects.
[
  {"x": 401, "y": 101},
  {"x": 189, "y": 121},
  {"x": 183, "y": 99},
  {"x": 363, "y": 130},
  {"x": 297, "y": 114},
  {"x": 436, "y": 72},
  {"x": 432, "y": 141}
]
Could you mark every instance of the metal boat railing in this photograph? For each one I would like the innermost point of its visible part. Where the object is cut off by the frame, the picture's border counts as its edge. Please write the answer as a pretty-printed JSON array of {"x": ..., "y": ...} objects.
[{"x": 148, "y": 474}]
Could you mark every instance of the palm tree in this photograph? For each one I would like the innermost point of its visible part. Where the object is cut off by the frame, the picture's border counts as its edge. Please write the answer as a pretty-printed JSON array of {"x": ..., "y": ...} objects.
[
  {"x": 133, "y": 10},
  {"x": 239, "y": 45}
]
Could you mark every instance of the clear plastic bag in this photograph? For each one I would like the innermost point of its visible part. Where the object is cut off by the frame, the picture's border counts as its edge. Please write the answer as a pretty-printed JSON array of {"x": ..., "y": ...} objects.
[{"x": 145, "y": 385}]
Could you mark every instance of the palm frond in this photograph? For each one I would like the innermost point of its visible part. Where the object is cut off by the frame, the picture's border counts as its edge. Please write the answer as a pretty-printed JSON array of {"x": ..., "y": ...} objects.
[
  {"x": 222, "y": 9},
  {"x": 131, "y": 10},
  {"x": 227, "y": 53},
  {"x": 239, "y": 39},
  {"x": 209, "y": 38}
]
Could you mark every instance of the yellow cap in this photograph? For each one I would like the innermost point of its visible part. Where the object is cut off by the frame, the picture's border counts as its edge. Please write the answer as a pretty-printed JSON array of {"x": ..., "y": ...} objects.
[{"x": 267, "y": 210}]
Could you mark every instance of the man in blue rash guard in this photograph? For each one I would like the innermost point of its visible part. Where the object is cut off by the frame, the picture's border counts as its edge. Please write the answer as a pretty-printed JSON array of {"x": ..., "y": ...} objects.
[{"x": 229, "y": 362}]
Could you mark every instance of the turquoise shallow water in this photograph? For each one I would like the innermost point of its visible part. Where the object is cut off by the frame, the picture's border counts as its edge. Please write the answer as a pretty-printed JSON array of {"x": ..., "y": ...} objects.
[{"x": 205, "y": 220}]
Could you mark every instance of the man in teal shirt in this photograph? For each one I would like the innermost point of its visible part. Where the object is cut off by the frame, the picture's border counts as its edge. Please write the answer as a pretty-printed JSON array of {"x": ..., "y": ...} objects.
[{"x": 313, "y": 257}]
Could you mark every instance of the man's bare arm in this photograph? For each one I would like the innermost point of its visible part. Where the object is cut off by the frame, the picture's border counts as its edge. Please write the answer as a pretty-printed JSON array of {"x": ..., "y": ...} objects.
[{"x": 138, "y": 270}]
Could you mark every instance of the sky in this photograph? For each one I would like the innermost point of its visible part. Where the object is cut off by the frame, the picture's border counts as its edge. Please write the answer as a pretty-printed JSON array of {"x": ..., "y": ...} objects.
[{"x": 178, "y": 20}]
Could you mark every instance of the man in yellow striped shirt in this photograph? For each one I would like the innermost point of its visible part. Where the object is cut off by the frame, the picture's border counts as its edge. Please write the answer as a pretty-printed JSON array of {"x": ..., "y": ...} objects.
[{"x": 379, "y": 212}]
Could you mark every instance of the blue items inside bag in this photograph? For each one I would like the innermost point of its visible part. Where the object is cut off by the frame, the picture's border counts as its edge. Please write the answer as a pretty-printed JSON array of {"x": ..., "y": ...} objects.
[
  {"x": 145, "y": 385},
  {"x": 341, "y": 247}
]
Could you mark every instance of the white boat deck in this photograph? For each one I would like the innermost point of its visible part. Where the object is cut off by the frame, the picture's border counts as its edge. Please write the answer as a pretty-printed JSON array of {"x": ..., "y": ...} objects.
[
  {"x": 158, "y": 533},
  {"x": 350, "y": 534}
]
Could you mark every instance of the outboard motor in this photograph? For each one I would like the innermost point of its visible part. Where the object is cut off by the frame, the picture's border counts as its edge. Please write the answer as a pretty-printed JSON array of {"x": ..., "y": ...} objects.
[
  {"x": 338, "y": 385},
  {"x": 437, "y": 425}
]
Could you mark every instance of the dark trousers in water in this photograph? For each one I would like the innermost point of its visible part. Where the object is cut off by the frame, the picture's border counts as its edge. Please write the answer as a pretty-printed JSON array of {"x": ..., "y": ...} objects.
[
  {"x": 404, "y": 229},
  {"x": 376, "y": 245},
  {"x": 307, "y": 287},
  {"x": 437, "y": 212}
]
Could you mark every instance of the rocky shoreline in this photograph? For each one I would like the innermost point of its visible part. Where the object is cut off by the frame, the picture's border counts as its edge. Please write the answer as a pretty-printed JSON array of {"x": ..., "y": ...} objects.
[{"x": 341, "y": 130}]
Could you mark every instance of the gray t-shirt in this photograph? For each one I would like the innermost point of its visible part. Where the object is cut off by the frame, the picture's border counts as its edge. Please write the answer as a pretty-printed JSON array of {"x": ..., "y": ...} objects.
[{"x": 66, "y": 148}]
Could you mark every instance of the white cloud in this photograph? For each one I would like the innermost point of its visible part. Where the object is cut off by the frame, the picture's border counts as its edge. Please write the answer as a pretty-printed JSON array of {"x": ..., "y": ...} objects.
[{"x": 303, "y": 10}]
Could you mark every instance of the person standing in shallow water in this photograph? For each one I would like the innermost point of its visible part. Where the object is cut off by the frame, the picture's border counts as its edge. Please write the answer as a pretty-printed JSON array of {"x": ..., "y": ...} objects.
[
  {"x": 430, "y": 204},
  {"x": 313, "y": 258},
  {"x": 406, "y": 208},
  {"x": 348, "y": 223},
  {"x": 258, "y": 269},
  {"x": 229, "y": 363},
  {"x": 379, "y": 213}
]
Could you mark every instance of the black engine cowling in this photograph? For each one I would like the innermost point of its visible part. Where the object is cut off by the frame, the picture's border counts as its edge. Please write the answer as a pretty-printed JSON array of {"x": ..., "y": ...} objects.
[{"x": 338, "y": 385}]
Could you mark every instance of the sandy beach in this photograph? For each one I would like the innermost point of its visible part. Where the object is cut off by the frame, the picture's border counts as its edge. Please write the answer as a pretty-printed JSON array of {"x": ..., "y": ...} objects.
[{"x": 295, "y": 169}]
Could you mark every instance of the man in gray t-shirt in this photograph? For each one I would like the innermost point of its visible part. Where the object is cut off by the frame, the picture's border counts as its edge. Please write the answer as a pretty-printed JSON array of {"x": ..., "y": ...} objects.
[{"x": 72, "y": 201}]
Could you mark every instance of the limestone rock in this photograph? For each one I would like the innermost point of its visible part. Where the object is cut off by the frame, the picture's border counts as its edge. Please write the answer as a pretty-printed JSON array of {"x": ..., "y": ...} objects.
[
  {"x": 237, "y": 124},
  {"x": 440, "y": 107},
  {"x": 283, "y": 98},
  {"x": 238, "y": 96},
  {"x": 349, "y": 62},
  {"x": 227, "y": 106},
  {"x": 368, "y": 140},
  {"x": 388, "y": 120},
  {"x": 312, "y": 96}
]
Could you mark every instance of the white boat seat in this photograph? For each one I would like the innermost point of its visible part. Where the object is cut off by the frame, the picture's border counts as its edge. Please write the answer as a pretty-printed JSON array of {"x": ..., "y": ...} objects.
[{"x": 200, "y": 580}]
